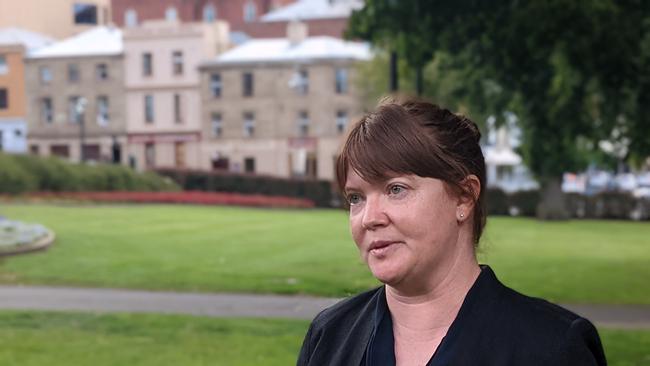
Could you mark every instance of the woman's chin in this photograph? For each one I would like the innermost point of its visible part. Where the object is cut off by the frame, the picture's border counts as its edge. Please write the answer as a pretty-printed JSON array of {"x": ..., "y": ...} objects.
[{"x": 386, "y": 273}]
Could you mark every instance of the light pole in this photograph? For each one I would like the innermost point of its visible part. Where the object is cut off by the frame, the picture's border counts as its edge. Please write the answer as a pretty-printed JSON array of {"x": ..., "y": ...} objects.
[{"x": 80, "y": 108}]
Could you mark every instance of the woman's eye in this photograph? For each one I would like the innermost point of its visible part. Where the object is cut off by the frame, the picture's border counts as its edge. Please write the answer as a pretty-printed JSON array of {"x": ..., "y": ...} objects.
[
  {"x": 354, "y": 198},
  {"x": 396, "y": 189}
]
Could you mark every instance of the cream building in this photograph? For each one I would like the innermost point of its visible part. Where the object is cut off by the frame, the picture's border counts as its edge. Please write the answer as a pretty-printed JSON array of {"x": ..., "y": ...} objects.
[
  {"x": 280, "y": 106},
  {"x": 75, "y": 97},
  {"x": 14, "y": 45},
  {"x": 162, "y": 90},
  {"x": 55, "y": 18}
]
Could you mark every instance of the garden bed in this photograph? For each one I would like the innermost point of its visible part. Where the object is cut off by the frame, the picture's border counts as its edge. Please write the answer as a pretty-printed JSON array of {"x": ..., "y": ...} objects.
[{"x": 188, "y": 197}]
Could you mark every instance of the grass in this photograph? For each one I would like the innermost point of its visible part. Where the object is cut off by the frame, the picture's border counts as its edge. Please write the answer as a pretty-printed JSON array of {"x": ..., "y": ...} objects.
[
  {"x": 62, "y": 339},
  {"x": 58, "y": 339},
  {"x": 191, "y": 248}
]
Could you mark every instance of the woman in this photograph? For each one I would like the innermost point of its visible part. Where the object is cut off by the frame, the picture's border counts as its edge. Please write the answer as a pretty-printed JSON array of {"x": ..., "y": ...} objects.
[{"x": 414, "y": 177}]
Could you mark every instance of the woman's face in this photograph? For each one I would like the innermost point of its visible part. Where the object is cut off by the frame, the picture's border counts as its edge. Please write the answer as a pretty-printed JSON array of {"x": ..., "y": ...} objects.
[{"x": 404, "y": 227}]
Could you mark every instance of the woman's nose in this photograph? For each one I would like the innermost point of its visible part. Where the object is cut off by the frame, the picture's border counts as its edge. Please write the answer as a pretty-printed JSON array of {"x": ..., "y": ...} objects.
[{"x": 374, "y": 214}]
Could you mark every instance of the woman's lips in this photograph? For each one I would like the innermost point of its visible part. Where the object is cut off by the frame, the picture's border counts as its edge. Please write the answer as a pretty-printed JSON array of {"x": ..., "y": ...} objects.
[{"x": 381, "y": 247}]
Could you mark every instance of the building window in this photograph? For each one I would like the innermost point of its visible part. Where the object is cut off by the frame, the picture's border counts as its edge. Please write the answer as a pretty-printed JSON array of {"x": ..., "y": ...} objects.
[
  {"x": 148, "y": 109},
  {"x": 4, "y": 98},
  {"x": 85, "y": 13},
  {"x": 131, "y": 18},
  {"x": 171, "y": 14},
  {"x": 73, "y": 73},
  {"x": 250, "y": 11},
  {"x": 217, "y": 124},
  {"x": 61, "y": 151},
  {"x": 249, "y": 124},
  {"x": 247, "y": 84},
  {"x": 147, "y": 64},
  {"x": 303, "y": 123},
  {"x": 178, "y": 110},
  {"x": 149, "y": 155},
  {"x": 47, "y": 112},
  {"x": 18, "y": 133},
  {"x": 4, "y": 69},
  {"x": 101, "y": 71},
  {"x": 177, "y": 62},
  {"x": 209, "y": 13},
  {"x": 300, "y": 82},
  {"x": 341, "y": 81},
  {"x": 341, "y": 121},
  {"x": 34, "y": 149},
  {"x": 215, "y": 85},
  {"x": 103, "y": 118},
  {"x": 249, "y": 165},
  {"x": 45, "y": 74},
  {"x": 74, "y": 110}
]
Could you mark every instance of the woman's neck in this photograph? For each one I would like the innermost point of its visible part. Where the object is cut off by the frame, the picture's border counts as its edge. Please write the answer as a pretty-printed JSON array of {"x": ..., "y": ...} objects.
[{"x": 435, "y": 307}]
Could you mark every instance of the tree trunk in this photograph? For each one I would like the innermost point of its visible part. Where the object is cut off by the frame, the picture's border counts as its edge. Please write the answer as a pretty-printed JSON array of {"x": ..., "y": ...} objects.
[
  {"x": 394, "y": 77},
  {"x": 552, "y": 204},
  {"x": 419, "y": 82}
]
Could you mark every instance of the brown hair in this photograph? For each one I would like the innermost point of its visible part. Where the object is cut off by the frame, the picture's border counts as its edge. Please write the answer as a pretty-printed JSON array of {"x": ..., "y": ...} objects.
[{"x": 413, "y": 136}]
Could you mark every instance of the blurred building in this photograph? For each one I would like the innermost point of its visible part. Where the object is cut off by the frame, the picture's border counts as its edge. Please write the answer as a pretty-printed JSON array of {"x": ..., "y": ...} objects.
[
  {"x": 280, "y": 106},
  {"x": 323, "y": 18},
  {"x": 55, "y": 18},
  {"x": 504, "y": 167},
  {"x": 15, "y": 44},
  {"x": 162, "y": 90},
  {"x": 130, "y": 13},
  {"x": 76, "y": 97}
]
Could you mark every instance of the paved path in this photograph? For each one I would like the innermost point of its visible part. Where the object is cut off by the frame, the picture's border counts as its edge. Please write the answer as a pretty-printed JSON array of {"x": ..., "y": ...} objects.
[{"x": 240, "y": 305}]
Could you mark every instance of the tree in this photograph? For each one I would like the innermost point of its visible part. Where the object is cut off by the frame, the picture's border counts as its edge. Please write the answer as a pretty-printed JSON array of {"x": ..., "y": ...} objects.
[{"x": 575, "y": 72}]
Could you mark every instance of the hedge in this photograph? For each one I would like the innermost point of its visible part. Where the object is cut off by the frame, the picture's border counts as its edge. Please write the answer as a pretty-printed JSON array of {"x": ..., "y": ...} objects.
[
  {"x": 25, "y": 173},
  {"x": 606, "y": 205},
  {"x": 318, "y": 191}
]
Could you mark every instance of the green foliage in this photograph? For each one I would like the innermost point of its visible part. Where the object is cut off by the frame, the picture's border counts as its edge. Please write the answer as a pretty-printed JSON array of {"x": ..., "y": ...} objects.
[
  {"x": 318, "y": 191},
  {"x": 25, "y": 173},
  {"x": 574, "y": 72},
  {"x": 14, "y": 179},
  {"x": 227, "y": 249}
]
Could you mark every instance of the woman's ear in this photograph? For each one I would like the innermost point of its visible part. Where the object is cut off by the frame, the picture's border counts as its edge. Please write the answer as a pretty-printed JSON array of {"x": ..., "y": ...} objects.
[{"x": 468, "y": 197}]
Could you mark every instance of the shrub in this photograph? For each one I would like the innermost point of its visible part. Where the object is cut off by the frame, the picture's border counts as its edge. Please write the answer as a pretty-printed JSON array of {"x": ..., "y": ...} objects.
[
  {"x": 318, "y": 191},
  {"x": 496, "y": 201},
  {"x": 14, "y": 179},
  {"x": 55, "y": 175},
  {"x": 523, "y": 202}
]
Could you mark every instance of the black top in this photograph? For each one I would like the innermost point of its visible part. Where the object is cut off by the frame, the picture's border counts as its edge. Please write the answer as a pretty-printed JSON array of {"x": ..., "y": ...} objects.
[{"x": 494, "y": 326}]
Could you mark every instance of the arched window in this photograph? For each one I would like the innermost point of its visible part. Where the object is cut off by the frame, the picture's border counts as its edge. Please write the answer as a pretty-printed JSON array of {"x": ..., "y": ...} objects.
[
  {"x": 209, "y": 13},
  {"x": 130, "y": 18},
  {"x": 171, "y": 14},
  {"x": 250, "y": 11}
]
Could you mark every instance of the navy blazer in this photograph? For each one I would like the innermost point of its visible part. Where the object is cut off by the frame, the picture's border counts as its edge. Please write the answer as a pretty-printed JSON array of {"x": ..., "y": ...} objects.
[{"x": 494, "y": 326}]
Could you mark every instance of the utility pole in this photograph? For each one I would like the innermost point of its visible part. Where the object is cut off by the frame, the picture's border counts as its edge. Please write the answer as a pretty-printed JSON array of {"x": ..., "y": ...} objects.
[{"x": 80, "y": 108}]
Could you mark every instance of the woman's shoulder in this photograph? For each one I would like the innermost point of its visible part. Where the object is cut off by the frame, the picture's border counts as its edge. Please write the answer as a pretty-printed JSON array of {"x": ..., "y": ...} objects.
[{"x": 349, "y": 308}]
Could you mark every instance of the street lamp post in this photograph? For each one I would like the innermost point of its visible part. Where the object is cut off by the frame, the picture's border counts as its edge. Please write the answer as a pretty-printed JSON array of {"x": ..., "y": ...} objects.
[{"x": 80, "y": 108}]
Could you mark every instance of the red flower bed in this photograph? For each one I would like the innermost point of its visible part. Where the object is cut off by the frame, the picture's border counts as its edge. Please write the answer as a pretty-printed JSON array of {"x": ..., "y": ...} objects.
[{"x": 191, "y": 197}]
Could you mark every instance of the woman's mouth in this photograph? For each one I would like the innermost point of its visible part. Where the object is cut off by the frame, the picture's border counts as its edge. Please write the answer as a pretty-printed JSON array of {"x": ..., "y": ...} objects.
[{"x": 381, "y": 247}]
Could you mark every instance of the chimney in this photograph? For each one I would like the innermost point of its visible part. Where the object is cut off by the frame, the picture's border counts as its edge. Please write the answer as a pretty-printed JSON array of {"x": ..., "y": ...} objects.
[{"x": 296, "y": 32}]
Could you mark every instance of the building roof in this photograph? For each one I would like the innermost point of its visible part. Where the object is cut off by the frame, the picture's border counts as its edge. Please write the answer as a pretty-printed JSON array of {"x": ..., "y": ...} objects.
[
  {"x": 313, "y": 9},
  {"x": 99, "y": 41},
  {"x": 17, "y": 36},
  {"x": 281, "y": 50}
]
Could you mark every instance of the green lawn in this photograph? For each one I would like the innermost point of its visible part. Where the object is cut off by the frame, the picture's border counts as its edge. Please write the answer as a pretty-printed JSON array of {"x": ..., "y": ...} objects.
[
  {"x": 310, "y": 251},
  {"x": 62, "y": 339}
]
